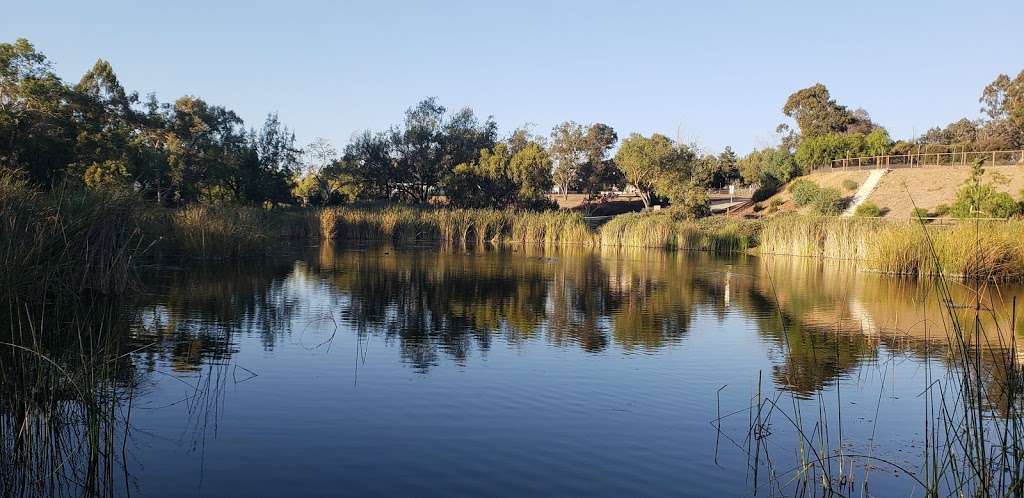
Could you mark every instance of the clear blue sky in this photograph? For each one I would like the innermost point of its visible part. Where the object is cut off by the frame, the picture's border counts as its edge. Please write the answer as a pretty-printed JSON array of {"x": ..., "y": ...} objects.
[{"x": 718, "y": 72}]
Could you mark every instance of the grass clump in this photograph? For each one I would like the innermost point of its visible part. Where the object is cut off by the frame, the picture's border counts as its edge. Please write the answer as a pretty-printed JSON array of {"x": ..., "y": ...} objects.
[
  {"x": 868, "y": 209},
  {"x": 827, "y": 201},
  {"x": 804, "y": 192},
  {"x": 850, "y": 185}
]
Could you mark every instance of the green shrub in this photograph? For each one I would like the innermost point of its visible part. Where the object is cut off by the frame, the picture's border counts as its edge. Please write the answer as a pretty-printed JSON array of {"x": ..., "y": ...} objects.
[
  {"x": 983, "y": 201},
  {"x": 868, "y": 210},
  {"x": 763, "y": 193},
  {"x": 977, "y": 199},
  {"x": 775, "y": 203},
  {"x": 941, "y": 210},
  {"x": 1002, "y": 205},
  {"x": 919, "y": 213},
  {"x": 804, "y": 192},
  {"x": 850, "y": 185},
  {"x": 827, "y": 201}
]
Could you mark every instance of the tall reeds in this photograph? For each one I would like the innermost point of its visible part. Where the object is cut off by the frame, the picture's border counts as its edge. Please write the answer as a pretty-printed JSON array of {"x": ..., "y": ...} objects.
[
  {"x": 455, "y": 226},
  {"x": 972, "y": 433},
  {"x": 225, "y": 232},
  {"x": 69, "y": 240},
  {"x": 662, "y": 230},
  {"x": 65, "y": 382},
  {"x": 547, "y": 228},
  {"x": 989, "y": 250}
]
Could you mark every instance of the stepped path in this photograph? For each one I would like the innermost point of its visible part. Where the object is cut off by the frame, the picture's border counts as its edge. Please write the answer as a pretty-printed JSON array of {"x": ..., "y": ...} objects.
[{"x": 869, "y": 185}]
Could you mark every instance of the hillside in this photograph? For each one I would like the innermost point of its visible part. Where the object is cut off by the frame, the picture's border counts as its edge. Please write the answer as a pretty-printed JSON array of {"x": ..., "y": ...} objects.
[{"x": 900, "y": 190}]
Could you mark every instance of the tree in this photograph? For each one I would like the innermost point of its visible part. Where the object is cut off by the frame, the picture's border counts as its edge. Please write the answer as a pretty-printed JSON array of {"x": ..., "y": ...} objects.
[
  {"x": 877, "y": 142},
  {"x": 569, "y": 152},
  {"x": 705, "y": 171},
  {"x": 521, "y": 137},
  {"x": 484, "y": 182},
  {"x": 430, "y": 144},
  {"x": 963, "y": 133},
  {"x": 500, "y": 179},
  {"x": 368, "y": 168},
  {"x": 530, "y": 170},
  {"x": 816, "y": 113},
  {"x": 198, "y": 139},
  {"x": 1003, "y": 103},
  {"x": 769, "y": 167},
  {"x": 313, "y": 187},
  {"x": 728, "y": 167},
  {"x": 978, "y": 199},
  {"x": 650, "y": 164},
  {"x": 98, "y": 134},
  {"x": 418, "y": 151},
  {"x": 268, "y": 166},
  {"x": 598, "y": 171},
  {"x": 108, "y": 151},
  {"x": 36, "y": 122}
]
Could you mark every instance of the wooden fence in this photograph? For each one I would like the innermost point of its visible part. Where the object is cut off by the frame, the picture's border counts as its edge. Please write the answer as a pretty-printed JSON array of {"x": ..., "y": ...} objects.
[{"x": 932, "y": 159}]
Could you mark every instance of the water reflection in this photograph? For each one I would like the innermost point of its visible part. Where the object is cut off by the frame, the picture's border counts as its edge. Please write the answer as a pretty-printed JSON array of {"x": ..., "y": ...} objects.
[
  {"x": 439, "y": 305},
  {"x": 819, "y": 323},
  {"x": 64, "y": 376}
]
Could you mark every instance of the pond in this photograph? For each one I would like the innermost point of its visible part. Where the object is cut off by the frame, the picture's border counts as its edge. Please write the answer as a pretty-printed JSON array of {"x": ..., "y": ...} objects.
[{"x": 367, "y": 370}]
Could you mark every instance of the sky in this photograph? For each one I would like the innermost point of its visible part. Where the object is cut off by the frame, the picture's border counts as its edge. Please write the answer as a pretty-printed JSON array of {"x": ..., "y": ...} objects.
[{"x": 714, "y": 73}]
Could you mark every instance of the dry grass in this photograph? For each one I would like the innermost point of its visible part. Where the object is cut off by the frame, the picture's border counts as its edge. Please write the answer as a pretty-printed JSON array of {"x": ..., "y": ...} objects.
[{"x": 902, "y": 189}]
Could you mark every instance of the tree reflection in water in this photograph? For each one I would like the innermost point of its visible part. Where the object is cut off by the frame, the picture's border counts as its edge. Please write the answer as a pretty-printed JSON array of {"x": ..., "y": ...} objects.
[
  {"x": 438, "y": 305},
  {"x": 442, "y": 303}
]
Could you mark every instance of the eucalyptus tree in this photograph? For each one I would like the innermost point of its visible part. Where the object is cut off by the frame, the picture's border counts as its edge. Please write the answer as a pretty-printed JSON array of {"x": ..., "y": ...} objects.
[
  {"x": 430, "y": 144},
  {"x": 654, "y": 165},
  {"x": 569, "y": 152},
  {"x": 1003, "y": 102},
  {"x": 37, "y": 131}
]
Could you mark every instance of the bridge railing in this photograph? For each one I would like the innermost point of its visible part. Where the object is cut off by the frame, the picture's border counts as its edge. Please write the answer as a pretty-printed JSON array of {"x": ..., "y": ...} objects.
[{"x": 931, "y": 159}]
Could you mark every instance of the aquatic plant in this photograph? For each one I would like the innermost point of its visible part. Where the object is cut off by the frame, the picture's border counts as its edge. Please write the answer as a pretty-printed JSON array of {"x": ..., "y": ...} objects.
[
  {"x": 972, "y": 438},
  {"x": 991, "y": 250},
  {"x": 69, "y": 240}
]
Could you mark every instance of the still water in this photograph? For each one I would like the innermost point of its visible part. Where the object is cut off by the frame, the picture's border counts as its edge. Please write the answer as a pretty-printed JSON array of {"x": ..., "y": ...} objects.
[{"x": 424, "y": 371}]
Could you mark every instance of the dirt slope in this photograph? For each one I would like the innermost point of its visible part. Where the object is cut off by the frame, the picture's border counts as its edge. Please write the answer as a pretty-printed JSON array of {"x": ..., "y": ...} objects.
[{"x": 901, "y": 189}]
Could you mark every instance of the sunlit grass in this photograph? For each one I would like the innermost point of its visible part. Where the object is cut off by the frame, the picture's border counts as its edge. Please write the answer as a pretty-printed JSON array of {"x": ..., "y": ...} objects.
[{"x": 978, "y": 249}]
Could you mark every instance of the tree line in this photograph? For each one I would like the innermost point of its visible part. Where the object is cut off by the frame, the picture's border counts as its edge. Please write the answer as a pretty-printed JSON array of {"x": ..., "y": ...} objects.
[
  {"x": 826, "y": 130},
  {"x": 97, "y": 134}
]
